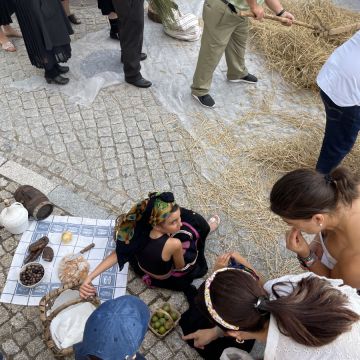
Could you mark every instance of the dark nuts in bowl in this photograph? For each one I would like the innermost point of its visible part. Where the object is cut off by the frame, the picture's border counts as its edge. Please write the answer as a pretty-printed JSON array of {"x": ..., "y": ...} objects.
[{"x": 31, "y": 274}]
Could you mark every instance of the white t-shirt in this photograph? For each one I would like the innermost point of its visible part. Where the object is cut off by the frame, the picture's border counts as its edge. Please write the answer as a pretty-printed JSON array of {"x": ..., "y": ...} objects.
[
  {"x": 339, "y": 78},
  {"x": 345, "y": 346}
]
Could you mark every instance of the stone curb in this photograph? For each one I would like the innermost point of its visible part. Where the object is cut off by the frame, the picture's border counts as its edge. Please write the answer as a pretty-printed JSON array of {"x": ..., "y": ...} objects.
[{"x": 59, "y": 195}]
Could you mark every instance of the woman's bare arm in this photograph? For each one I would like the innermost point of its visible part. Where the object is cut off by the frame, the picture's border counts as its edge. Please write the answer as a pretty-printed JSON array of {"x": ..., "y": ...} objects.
[
  {"x": 86, "y": 288},
  {"x": 173, "y": 250}
]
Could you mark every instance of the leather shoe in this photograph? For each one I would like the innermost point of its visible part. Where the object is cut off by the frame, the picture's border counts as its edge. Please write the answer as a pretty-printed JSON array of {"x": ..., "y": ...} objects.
[
  {"x": 114, "y": 35},
  {"x": 73, "y": 19},
  {"x": 62, "y": 69},
  {"x": 143, "y": 56},
  {"x": 141, "y": 83},
  {"x": 59, "y": 80}
]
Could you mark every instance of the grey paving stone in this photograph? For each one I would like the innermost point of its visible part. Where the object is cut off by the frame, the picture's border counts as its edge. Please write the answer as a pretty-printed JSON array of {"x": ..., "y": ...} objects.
[
  {"x": 19, "y": 174},
  {"x": 73, "y": 203},
  {"x": 10, "y": 347},
  {"x": 35, "y": 346},
  {"x": 22, "y": 337},
  {"x": 21, "y": 356},
  {"x": 2, "y": 160},
  {"x": 161, "y": 351}
]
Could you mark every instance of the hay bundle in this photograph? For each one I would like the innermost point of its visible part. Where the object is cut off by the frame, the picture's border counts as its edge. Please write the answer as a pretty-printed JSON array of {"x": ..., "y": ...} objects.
[
  {"x": 162, "y": 11},
  {"x": 296, "y": 52}
]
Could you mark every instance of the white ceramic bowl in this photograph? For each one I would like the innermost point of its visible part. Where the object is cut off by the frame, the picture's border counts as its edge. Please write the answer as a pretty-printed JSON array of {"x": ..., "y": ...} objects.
[{"x": 23, "y": 269}]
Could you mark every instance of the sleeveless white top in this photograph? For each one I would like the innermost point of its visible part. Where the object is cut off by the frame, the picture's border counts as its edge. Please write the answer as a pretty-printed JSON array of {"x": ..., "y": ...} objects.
[
  {"x": 339, "y": 78},
  {"x": 326, "y": 258},
  {"x": 344, "y": 347}
]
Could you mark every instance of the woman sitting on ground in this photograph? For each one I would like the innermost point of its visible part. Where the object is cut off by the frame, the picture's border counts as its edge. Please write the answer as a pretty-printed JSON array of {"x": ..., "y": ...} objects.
[
  {"x": 163, "y": 243},
  {"x": 299, "y": 317},
  {"x": 328, "y": 206}
]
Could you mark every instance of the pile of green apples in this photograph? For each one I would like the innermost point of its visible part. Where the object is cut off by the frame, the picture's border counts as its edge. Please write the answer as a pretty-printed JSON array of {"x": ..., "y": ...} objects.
[{"x": 163, "y": 321}]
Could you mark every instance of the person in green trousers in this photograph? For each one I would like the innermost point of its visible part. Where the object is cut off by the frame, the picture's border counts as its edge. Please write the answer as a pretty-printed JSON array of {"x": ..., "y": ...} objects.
[{"x": 225, "y": 31}]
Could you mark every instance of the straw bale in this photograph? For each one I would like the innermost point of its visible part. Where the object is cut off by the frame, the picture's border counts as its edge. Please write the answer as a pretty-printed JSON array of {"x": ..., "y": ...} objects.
[{"x": 296, "y": 52}]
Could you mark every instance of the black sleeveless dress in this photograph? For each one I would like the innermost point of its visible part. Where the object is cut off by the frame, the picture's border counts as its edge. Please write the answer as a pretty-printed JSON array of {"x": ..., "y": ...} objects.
[
  {"x": 150, "y": 259},
  {"x": 182, "y": 283}
]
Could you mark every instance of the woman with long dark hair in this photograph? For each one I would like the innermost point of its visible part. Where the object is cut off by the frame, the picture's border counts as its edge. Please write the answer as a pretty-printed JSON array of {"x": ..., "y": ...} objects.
[
  {"x": 299, "y": 317},
  {"x": 164, "y": 244},
  {"x": 328, "y": 206},
  {"x": 46, "y": 30}
]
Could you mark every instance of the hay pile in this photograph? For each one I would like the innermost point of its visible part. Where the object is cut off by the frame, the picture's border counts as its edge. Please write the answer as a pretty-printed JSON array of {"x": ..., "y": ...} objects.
[{"x": 296, "y": 52}]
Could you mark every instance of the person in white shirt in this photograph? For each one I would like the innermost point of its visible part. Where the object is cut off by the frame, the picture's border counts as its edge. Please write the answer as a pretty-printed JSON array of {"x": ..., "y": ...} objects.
[
  {"x": 299, "y": 317},
  {"x": 339, "y": 83}
]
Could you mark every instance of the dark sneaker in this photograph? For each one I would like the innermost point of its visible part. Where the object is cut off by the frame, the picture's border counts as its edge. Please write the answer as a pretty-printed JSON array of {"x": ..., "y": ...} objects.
[
  {"x": 249, "y": 78},
  {"x": 205, "y": 100}
]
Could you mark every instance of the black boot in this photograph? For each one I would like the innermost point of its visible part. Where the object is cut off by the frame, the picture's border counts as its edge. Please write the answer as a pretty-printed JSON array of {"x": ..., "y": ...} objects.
[
  {"x": 52, "y": 76},
  {"x": 62, "y": 69},
  {"x": 114, "y": 29}
]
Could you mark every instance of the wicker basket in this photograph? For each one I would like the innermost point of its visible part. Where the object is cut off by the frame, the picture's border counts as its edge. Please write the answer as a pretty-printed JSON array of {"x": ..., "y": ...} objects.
[
  {"x": 173, "y": 322},
  {"x": 46, "y": 315}
]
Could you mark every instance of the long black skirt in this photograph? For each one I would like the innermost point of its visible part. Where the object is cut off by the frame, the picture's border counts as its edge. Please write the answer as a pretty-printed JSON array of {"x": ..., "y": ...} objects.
[
  {"x": 106, "y": 6},
  {"x": 6, "y": 10},
  {"x": 46, "y": 30}
]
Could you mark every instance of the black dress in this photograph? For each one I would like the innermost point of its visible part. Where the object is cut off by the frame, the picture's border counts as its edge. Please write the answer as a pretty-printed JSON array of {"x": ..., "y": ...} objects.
[
  {"x": 106, "y": 6},
  {"x": 46, "y": 29},
  {"x": 200, "y": 268},
  {"x": 6, "y": 10}
]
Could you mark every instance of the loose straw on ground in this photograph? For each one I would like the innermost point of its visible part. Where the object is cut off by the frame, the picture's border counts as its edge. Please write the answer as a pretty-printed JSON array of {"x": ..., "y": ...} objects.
[
  {"x": 296, "y": 52},
  {"x": 242, "y": 177}
]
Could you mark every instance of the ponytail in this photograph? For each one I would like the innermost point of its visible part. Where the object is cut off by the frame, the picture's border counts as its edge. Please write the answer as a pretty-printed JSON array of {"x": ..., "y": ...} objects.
[
  {"x": 346, "y": 185},
  {"x": 313, "y": 314},
  {"x": 302, "y": 193}
]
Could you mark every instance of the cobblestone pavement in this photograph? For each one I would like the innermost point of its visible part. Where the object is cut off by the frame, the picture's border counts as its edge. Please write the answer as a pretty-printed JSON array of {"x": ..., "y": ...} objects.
[{"x": 110, "y": 153}]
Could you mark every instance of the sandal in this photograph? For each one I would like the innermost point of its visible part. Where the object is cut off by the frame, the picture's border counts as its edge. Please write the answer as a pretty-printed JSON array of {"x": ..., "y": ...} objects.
[
  {"x": 215, "y": 221},
  {"x": 8, "y": 46},
  {"x": 73, "y": 19}
]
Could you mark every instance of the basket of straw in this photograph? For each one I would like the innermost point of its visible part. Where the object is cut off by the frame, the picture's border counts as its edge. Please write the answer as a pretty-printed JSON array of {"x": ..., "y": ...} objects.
[{"x": 52, "y": 304}]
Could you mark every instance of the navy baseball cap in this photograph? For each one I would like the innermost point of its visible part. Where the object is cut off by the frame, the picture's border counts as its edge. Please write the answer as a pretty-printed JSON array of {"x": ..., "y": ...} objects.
[{"x": 115, "y": 330}]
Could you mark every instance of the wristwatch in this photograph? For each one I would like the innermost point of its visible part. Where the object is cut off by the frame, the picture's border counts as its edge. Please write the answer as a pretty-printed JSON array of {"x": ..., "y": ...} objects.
[{"x": 309, "y": 260}]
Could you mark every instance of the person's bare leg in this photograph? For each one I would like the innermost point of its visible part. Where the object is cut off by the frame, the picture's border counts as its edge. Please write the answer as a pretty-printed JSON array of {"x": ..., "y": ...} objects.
[
  {"x": 10, "y": 31},
  {"x": 5, "y": 43},
  {"x": 66, "y": 6},
  {"x": 112, "y": 15}
]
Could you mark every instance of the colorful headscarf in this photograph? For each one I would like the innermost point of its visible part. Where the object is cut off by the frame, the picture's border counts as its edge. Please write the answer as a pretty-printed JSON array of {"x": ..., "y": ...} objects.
[{"x": 132, "y": 229}]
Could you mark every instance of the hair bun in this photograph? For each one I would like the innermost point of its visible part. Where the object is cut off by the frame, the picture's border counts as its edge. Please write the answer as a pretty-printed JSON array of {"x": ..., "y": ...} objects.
[{"x": 167, "y": 197}]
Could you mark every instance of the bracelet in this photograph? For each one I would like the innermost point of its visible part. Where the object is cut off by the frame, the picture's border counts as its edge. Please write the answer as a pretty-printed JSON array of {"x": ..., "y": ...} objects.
[
  {"x": 281, "y": 12},
  {"x": 309, "y": 260}
]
